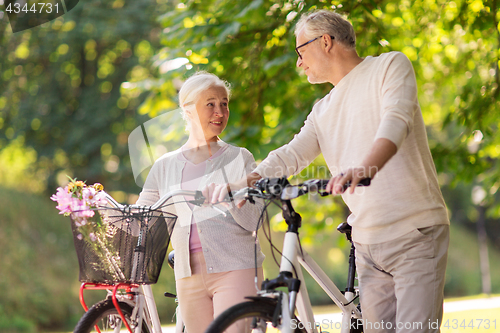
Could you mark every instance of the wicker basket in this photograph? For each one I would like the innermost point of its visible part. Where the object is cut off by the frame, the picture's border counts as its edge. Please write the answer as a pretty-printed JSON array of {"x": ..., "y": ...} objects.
[{"x": 128, "y": 247}]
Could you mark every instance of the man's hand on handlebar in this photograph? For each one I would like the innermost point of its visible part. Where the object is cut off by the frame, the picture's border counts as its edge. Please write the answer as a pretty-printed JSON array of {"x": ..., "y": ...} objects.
[{"x": 337, "y": 184}]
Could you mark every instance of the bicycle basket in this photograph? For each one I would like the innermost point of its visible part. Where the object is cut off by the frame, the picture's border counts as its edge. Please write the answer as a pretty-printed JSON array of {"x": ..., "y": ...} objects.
[{"x": 124, "y": 246}]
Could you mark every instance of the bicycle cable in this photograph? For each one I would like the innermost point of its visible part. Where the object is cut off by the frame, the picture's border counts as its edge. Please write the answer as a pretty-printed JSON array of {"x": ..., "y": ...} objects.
[
  {"x": 273, "y": 247},
  {"x": 262, "y": 217}
]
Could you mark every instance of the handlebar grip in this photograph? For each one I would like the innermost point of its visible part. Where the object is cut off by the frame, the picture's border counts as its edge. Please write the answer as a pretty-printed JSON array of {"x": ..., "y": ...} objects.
[
  {"x": 239, "y": 194},
  {"x": 322, "y": 183},
  {"x": 362, "y": 182}
]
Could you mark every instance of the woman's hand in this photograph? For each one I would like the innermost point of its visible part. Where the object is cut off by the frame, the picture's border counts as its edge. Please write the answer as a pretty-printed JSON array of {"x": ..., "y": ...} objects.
[{"x": 217, "y": 193}]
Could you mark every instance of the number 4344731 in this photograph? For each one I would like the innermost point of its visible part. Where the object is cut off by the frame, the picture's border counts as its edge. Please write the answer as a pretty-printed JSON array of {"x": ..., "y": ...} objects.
[
  {"x": 470, "y": 324},
  {"x": 39, "y": 8}
]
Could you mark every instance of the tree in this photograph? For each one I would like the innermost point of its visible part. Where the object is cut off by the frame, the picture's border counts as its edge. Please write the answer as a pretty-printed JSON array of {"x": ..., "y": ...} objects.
[{"x": 61, "y": 88}]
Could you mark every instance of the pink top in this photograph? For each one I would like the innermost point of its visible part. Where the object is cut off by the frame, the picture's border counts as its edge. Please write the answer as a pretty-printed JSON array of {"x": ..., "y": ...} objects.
[{"x": 191, "y": 178}]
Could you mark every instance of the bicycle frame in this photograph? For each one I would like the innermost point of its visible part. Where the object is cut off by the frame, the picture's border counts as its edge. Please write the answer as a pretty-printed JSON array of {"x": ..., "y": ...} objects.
[
  {"x": 292, "y": 254},
  {"x": 293, "y": 257}
]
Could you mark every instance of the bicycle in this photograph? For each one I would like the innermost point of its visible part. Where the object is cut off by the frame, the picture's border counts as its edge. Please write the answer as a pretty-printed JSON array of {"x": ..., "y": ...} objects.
[
  {"x": 135, "y": 251},
  {"x": 276, "y": 308}
]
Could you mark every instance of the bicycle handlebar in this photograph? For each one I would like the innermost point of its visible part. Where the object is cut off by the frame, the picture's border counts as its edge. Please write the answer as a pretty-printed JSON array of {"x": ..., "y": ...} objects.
[
  {"x": 198, "y": 200},
  {"x": 268, "y": 188}
]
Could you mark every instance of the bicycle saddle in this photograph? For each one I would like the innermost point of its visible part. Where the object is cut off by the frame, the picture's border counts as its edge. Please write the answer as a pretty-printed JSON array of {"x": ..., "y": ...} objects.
[
  {"x": 171, "y": 258},
  {"x": 343, "y": 228}
]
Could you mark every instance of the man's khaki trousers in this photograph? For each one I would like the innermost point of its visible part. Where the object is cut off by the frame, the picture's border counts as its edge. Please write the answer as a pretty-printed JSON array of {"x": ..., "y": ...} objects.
[{"x": 401, "y": 282}]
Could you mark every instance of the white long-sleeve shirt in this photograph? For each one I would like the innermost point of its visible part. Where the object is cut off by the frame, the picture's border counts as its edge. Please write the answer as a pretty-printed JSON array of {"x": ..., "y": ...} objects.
[{"x": 377, "y": 99}]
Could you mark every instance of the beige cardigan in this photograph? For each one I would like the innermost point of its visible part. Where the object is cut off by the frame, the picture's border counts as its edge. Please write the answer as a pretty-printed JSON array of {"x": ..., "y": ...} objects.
[
  {"x": 377, "y": 99},
  {"x": 228, "y": 242}
]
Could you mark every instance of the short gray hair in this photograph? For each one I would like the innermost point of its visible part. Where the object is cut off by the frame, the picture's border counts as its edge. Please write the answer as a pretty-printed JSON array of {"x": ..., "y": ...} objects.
[
  {"x": 320, "y": 22},
  {"x": 197, "y": 83},
  {"x": 194, "y": 86}
]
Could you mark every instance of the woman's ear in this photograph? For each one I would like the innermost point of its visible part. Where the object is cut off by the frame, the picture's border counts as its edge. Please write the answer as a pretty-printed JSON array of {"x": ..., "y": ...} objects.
[{"x": 188, "y": 108}]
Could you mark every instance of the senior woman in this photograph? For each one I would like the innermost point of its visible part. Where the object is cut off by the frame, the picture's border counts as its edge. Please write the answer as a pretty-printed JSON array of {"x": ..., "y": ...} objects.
[{"x": 214, "y": 254}]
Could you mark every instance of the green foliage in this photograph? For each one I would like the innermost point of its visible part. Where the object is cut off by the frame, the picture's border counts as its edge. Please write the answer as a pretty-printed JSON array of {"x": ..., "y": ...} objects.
[
  {"x": 60, "y": 88},
  {"x": 454, "y": 49},
  {"x": 38, "y": 264},
  {"x": 463, "y": 273},
  {"x": 16, "y": 324},
  {"x": 17, "y": 167}
]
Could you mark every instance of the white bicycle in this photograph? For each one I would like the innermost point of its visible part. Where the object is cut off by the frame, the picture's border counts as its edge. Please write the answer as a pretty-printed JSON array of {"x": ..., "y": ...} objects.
[
  {"x": 276, "y": 308},
  {"x": 135, "y": 251}
]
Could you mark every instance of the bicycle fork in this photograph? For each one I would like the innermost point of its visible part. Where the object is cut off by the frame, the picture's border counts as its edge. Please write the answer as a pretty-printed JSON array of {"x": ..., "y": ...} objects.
[{"x": 297, "y": 297}]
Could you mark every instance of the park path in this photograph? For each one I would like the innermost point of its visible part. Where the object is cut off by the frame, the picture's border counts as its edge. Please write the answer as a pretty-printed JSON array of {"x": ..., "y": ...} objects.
[{"x": 449, "y": 307}]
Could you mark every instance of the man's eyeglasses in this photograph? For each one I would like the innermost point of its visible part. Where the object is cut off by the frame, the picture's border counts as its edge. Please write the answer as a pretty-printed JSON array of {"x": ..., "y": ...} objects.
[{"x": 312, "y": 40}]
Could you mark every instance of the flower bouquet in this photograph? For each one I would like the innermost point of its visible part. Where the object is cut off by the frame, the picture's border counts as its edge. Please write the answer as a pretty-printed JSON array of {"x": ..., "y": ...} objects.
[
  {"x": 87, "y": 206},
  {"x": 114, "y": 243}
]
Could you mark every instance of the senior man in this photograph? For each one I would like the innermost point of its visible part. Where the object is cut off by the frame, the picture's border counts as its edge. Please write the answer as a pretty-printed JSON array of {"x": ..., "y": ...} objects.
[{"x": 371, "y": 125}]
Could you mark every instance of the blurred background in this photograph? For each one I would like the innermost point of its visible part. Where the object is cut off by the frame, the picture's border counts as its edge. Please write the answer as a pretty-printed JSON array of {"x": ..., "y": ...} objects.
[{"x": 73, "y": 89}]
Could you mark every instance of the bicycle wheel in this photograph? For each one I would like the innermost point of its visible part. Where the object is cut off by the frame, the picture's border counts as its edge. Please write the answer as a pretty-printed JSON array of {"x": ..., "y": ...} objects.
[
  {"x": 106, "y": 317},
  {"x": 253, "y": 316}
]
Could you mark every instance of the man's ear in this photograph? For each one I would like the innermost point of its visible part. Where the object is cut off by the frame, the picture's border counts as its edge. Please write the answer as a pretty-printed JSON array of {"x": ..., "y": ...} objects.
[{"x": 327, "y": 42}]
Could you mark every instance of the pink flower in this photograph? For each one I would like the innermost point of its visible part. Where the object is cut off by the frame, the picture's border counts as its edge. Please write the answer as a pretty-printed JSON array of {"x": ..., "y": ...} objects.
[
  {"x": 89, "y": 196},
  {"x": 64, "y": 200},
  {"x": 80, "y": 202},
  {"x": 80, "y": 209},
  {"x": 60, "y": 194},
  {"x": 100, "y": 199},
  {"x": 92, "y": 237}
]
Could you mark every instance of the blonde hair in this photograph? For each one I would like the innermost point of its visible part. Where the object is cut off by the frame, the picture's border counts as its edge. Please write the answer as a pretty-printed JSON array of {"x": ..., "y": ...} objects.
[{"x": 320, "y": 22}]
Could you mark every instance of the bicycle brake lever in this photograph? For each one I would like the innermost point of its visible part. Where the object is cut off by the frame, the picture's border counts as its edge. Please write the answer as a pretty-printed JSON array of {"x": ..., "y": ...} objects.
[
  {"x": 199, "y": 199},
  {"x": 219, "y": 210},
  {"x": 215, "y": 208}
]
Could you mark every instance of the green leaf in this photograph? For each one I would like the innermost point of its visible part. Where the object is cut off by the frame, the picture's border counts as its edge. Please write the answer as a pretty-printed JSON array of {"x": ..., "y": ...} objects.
[
  {"x": 248, "y": 9},
  {"x": 230, "y": 30},
  {"x": 274, "y": 65}
]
